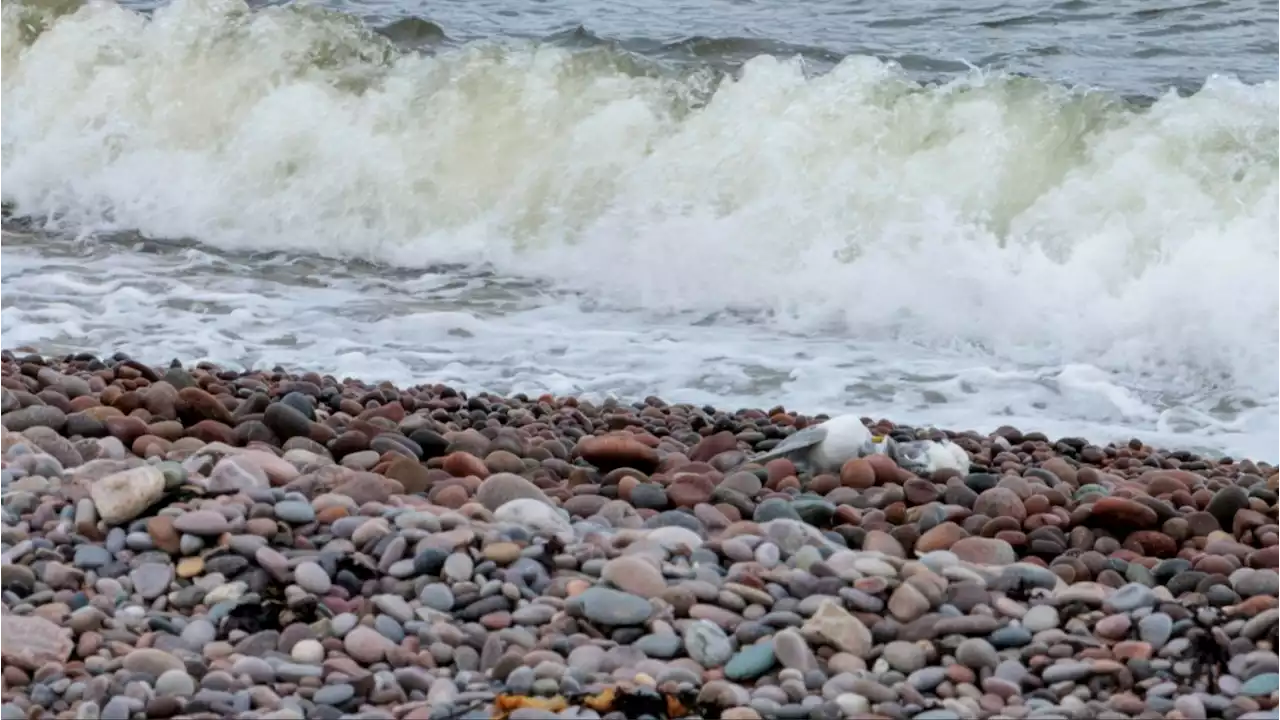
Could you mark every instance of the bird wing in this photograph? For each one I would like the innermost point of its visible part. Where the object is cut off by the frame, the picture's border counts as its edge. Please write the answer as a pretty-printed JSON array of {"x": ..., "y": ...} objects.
[{"x": 801, "y": 440}]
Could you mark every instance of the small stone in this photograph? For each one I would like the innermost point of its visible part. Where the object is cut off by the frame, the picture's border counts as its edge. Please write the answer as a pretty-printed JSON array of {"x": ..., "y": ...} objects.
[
  {"x": 458, "y": 567},
  {"x": 1000, "y": 502},
  {"x": 164, "y": 535},
  {"x": 608, "y": 452},
  {"x": 1130, "y": 597},
  {"x": 907, "y": 603},
  {"x": 940, "y": 537},
  {"x": 502, "y": 553},
  {"x": 411, "y": 474},
  {"x": 634, "y": 574},
  {"x": 1155, "y": 629},
  {"x": 31, "y": 641},
  {"x": 152, "y": 662},
  {"x": 501, "y": 488},
  {"x": 34, "y": 416},
  {"x": 189, "y": 567},
  {"x": 774, "y": 509},
  {"x": 190, "y": 545},
  {"x": 286, "y": 421},
  {"x": 793, "y": 652},
  {"x": 841, "y": 630},
  {"x": 394, "y": 606},
  {"x": 1262, "y": 685},
  {"x": 1227, "y": 502},
  {"x": 365, "y": 645},
  {"x": 176, "y": 683},
  {"x": 334, "y": 694},
  {"x": 437, "y": 596},
  {"x": 658, "y": 646},
  {"x": 307, "y": 652},
  {"x": 150, "y": 580},
  {"x": 295, "y": 512},
  {"x": 984, "y": 551},
  {"x": 1040, "y": 618},
  {"x": 905, "y": 657},
  {"x": 533, "y": 515},
  {"x": 751, "y": 662},
  {"x": 1069, "y": 670},
  {"x": 977, "y": 654},
  {"x": 311, "y": 577},
  {"x": 91, "y": 557},
  {"x": 1123, "y": 512},
  {"x": 612, "y": 607},
  {"x": 1112, "y": 627},
  {"x": 122, "y": 496},
  {"x": 276, "y": 564},
  {"x": 237, "y": 473},
  {"x": 205, "y": 523},
  {"x": 707, "y": 644},
  {"x": 198, "y": 633}
]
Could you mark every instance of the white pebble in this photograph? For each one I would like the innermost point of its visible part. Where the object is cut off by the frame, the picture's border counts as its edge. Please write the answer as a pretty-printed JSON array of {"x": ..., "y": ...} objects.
[{"x": 307, "y": 652}]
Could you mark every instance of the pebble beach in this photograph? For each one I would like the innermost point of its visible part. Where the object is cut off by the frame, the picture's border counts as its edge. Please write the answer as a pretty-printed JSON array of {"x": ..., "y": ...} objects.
[{"x": 194, "y": 542}]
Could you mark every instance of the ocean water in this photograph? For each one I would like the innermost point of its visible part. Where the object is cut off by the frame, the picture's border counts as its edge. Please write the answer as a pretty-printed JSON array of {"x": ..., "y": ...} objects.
[{"x": 1061, "y": 216}]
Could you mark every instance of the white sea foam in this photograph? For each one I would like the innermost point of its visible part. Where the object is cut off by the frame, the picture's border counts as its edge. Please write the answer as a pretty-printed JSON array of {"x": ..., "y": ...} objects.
[{"x": 1025, "y": 252}]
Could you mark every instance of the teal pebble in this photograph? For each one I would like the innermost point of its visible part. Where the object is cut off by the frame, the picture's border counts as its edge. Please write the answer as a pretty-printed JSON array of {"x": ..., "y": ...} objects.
[
  {"x": 174, "y": 474},
  {"x": 221, "y": 610},
  {"x": 775, "y": 509},
  {"x": 1091, "y": 489},
  {"x": 1261, "y": 685},
  {"x": 1010, "y": 636},
  {"x": 751, "y": 662},
  {"x": 1139, "y": 574},
  {"x": 296, "y": 512}
]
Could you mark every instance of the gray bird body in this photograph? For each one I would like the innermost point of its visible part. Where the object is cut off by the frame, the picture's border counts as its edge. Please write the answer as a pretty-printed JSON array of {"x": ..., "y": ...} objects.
[
  {"x": 825, "y": 447},
  {"x": 923, "y": 457}
]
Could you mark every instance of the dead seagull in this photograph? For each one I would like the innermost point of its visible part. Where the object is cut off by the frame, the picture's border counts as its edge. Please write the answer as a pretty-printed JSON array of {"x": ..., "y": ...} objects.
[
  {"x": 923, "y": 457},
  {"x": 825, "y": 447}
]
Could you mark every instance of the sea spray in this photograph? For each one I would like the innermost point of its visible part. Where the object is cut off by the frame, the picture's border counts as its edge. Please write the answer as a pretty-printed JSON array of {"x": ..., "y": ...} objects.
[{"x": 1006, "y": 217}]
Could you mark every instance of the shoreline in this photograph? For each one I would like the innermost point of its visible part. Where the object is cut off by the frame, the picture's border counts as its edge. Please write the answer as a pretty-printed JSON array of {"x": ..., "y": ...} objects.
[
  {"x": 193, "y": 543},
  {"x": 1208, "y": 448}
]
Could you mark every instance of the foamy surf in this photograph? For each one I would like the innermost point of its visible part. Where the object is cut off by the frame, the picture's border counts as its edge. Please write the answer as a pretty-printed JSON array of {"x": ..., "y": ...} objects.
[{"x": 1122, "y": 259}]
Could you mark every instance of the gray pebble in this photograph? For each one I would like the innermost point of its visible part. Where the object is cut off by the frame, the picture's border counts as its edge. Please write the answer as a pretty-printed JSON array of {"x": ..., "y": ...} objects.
[
  {"x": 150, "y": 580},
  {"x": 389, "y": 628},
  {"x": 926, "y": 679},
  {"x": 437, "y": 596},
  {"x": 175, "y": 682},
  {"x": 1130, "y": 597},
  {"x": 977, "y": 654},
  {"x": 91, "y": 557},
  {"x": 198, "y": 633},
  {"x": 1070, "y": 670},
  {"x": 190, "y": 544},
  {"x": 311, "y": 577},
  {"x": 1155, "y": 629},
  {"x": 296, "y": 512},
  {"x": 1040, "y": 618},
  {"x": 293, "y": 672},
  {"x": 334, "y": 694}
]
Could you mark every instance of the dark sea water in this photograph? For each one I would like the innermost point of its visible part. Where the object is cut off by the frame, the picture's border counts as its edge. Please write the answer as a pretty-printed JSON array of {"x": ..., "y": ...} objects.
[{"x": 1133, "y": 47}]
